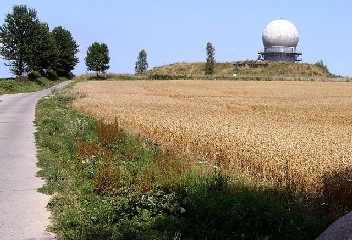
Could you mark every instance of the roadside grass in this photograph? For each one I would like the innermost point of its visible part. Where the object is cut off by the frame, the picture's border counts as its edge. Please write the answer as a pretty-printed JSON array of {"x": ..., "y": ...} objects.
[
  {"x": 10, "y": 85},
  {"x": 109, "y": 184}
]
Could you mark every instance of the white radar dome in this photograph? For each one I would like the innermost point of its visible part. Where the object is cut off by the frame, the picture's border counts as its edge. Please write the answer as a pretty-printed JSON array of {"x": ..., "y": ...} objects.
[{"x": 280, "y": 33}]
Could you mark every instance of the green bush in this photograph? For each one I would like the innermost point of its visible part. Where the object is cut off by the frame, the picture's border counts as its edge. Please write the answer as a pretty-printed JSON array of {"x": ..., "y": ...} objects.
[
  {"x": 7, "y": 86},
  {"x": 22, "y": 79},
  {"x": 34, "y": 75},
  {"x": 52, "y": 75},
  {"x": 162, "y": 77},
  {"x": 167, "y": 77},
  {"x": 71, "y": 75},
  {"x": 126, "y": 77},
  {"x": 320, "y": 64},
  {"x": 23, "y": 85}
]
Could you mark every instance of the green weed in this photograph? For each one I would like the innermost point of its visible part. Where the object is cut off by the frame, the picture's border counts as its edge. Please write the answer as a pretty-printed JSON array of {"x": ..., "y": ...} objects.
[{"x": 19, "y": 86}]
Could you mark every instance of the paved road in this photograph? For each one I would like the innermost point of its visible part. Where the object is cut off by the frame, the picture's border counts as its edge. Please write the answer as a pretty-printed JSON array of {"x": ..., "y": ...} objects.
[
  {"x": 23, "y": 213},
  {"x": 339, "y": 230}
]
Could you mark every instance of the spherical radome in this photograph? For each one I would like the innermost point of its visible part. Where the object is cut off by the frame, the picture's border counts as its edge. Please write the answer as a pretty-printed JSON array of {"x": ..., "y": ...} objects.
[{"x": 280, "y": 33}]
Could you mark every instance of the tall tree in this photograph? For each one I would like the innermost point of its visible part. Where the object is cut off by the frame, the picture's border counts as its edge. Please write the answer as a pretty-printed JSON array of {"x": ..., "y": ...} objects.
[
  {"x": 210, "y": 61},
  {"x": 16, "y": 36},
  {"x": 44, "y": 53},
  {"x": 97, "y": 58},
  {"x": 141, "y": 63},
  {"x": 67, "y": 51}
]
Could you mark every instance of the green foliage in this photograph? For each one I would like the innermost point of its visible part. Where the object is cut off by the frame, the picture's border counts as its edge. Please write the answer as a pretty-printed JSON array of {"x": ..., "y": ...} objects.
[
  {"x": 141, "y": 63},
  {"x": 322, "y": 66},
  {"x": 124, "y": 77},
  {"x": 28, "y": 45},
  {"x": 71, "y": 75},
  {"x": 24, "y": 84},
  {"x": 34, "y": 75},
  {"x": 67, "y": 51},
  {"x": 163, "y": 77},
  {"x": 111, "y": 185},
  {"x": 210, "y": 60},
  {"x": 16, "y": 36},
  {"x": 6, "y": 86},
  {"x": 52, "y": 75},
  {"x": 216, "y": 212},
  {"x": 44, "y": 52},
  {"x": 97, "y": 58}
]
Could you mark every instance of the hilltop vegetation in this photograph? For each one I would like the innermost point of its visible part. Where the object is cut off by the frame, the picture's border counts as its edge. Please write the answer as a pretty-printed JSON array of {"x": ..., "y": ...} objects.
[{"x": 245, "y": 69}]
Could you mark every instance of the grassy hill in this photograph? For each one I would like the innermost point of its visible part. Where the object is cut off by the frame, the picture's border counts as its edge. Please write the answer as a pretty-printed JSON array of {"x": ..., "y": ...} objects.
[
  {"x": 243, "y": 70},
  {"x": 246, "y": 68}
]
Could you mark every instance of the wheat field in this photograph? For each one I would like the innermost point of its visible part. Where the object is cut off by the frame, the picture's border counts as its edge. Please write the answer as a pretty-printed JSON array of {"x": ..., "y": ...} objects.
[{"x": 274, "y": 133}]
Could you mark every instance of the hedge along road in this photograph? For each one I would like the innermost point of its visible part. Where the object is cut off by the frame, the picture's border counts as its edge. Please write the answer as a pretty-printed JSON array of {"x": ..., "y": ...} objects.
[{"x": 23, "y": 213}]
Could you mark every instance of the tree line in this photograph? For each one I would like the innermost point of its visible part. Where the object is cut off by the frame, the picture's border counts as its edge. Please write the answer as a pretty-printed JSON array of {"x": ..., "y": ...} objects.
[
  {"x": 97, "y": 59},
  {"x": 29, "y": 46}
]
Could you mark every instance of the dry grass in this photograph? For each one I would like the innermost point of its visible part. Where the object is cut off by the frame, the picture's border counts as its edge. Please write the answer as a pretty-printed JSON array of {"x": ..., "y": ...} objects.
[
  {"x": 227, "y": 68},
  {"x": 286, "y": 134}
]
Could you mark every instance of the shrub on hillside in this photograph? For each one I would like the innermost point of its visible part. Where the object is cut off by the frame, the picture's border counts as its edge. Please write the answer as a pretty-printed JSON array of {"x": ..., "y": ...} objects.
[
  {"x": 320, "y": 64},
  {"x": 34, "y": 75},
  {"x": 52, "y": 75},
  {"x": 167, "y": 77},
  {"x": 161, "y": 77},
  {"x": 6, "y": 86},
  {"x": 71, "y": 75},
  {"x": 22, "y": 79}
]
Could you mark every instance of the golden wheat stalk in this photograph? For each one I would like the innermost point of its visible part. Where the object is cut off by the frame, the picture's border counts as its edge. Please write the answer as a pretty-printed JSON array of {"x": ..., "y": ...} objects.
[{"x": 278, "y": 133}]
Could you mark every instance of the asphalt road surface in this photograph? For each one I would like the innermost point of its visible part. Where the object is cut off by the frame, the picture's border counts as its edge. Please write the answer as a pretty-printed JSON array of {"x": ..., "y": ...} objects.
[{"x": 23, "y": 213}]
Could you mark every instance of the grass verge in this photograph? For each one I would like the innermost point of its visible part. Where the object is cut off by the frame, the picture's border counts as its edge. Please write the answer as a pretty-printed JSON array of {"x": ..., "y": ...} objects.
[
  {"x": 10, "y": 85},
  {"x": 108, "y": 184}
]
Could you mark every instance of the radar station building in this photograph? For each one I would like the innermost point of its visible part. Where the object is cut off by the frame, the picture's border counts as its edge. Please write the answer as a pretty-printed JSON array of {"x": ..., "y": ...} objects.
[{"x": 280, "y": 39}]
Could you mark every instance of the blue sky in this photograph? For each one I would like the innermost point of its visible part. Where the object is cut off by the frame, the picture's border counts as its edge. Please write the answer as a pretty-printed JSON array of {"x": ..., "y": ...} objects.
[{"x": 178, "y": 30}]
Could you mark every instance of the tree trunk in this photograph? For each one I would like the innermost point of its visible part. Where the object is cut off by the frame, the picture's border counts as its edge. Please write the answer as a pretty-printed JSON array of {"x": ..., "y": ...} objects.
[{"x": 20, "y": 67}]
